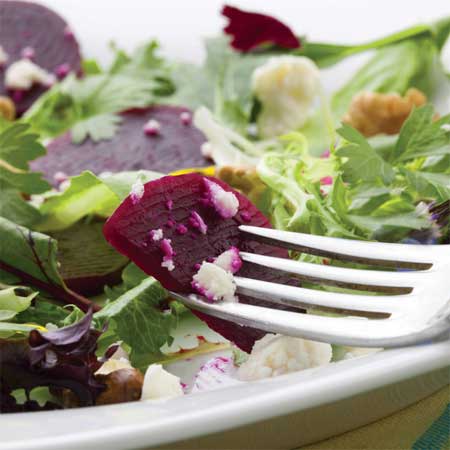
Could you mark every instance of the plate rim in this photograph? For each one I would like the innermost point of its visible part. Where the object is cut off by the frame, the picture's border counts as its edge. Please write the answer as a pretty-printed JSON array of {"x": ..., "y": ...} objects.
[{"x": 273, "y": 397}]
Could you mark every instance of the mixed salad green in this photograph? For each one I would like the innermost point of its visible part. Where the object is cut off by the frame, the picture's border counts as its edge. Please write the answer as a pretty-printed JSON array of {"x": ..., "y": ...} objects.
[{"x": 370, "y": 162}]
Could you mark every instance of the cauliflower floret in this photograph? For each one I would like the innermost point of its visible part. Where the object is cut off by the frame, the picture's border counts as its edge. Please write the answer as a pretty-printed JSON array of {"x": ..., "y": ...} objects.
[
  {"x": 286, "y": 86},
  {"x": 275, "y": 355}
]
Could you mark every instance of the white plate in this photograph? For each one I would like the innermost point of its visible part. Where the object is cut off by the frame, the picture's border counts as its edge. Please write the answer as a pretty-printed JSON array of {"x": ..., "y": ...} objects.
[
  {"x": 336, "y": 388},
  {"x": 288, "y": 411}
]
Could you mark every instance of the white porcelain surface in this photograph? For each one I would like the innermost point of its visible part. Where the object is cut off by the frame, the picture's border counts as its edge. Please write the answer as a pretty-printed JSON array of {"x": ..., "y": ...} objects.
[{"x": 317, "y": 403}]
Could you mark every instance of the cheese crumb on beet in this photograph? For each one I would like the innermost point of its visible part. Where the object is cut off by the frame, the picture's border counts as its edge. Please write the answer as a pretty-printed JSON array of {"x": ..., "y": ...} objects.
[
  {"x": 137, "y": 191},
  {"x": 215, "y": 283},
  {"x": 197, "y": 221},
  {"x": 166, "y": 248},
  {"x": 152, "y": 127},
  {"x": 23, "y": 74},
  {"x": 229, "y": 260},
  {"x": 156, "y": 235},
  {"x": 225, "y": 203}
]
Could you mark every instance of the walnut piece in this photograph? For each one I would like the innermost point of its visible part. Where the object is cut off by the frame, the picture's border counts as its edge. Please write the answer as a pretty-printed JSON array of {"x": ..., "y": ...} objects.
[
  {"x": 373, "y": 113},
  {"x": 7, "y": 108},
  {"x": 244, "y": 179}
]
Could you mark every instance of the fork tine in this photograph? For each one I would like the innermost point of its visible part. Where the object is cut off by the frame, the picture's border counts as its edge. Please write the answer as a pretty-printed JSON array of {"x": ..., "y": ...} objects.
[
  {"x": 297, "y": 297},
  {"x": 400, "y": 255},
  {"x": 343, "y": 274},
  {"x": 338, "y": 330}
]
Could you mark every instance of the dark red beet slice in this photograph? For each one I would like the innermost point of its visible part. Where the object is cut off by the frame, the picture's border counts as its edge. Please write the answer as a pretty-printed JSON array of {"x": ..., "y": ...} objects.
[
  {"x": 128, "y": 230},
  {"x": 24, "y": 24},
  {"x": 176, "y": 146}
]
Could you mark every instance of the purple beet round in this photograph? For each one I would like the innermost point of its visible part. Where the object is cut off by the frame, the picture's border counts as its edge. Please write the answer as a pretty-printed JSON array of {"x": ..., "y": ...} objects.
[
  {"x": 176, "y": 145},
  {"x": 29, "y": 29},
  {"x": 132, "y": 230}
]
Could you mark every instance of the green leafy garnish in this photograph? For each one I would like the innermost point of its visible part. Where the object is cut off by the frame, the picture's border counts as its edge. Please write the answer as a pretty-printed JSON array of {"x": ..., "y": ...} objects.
[
  {"x": 18, "y": 146},
  {"x": 89, "y": 106}
]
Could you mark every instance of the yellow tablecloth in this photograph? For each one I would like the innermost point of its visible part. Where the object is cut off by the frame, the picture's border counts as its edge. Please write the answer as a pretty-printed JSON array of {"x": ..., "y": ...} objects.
[{"x": 423, "y": 426}]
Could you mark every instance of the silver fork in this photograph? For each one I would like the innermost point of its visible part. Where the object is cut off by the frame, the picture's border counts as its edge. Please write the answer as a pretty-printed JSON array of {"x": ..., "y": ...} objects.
[{"x": 417, "y": 309}]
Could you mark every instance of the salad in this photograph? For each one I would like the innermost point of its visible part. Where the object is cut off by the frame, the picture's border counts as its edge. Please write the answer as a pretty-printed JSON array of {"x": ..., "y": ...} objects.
[{"x": 120, "y": 184}]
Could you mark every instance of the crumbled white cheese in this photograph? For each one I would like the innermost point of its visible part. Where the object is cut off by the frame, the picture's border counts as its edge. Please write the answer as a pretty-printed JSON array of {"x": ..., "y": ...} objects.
[
  {"x": 156, "y": 235},
  {"x": 3, "y": 56},
  {"x": 275, "y": 355},
  {"x": 229, "y": 260},
  {"x": 287, "y": 87},
  {"x": 445, "y": 127},
  {"x": 137, "y": 191},
  {"x": 152, "y": 127},
  {"x": 214, "y": 283},
  {"x": 24, "y": 73},
  {"x": 225, "y": 203},
  {"x": 168, "y": 264},
  {"x": 207, "y": 150},
  {"x": 160, "y": 384}
]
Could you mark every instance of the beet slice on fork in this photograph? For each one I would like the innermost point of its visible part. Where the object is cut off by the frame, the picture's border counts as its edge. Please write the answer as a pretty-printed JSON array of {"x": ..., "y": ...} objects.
[{"x": 171, "y": 208}]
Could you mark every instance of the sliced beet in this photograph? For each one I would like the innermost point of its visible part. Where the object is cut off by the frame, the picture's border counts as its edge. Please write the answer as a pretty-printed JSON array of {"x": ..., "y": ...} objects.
[
  {"x": 47, "y": 37},
  {"x": 133, "y": 227},
  {"x": 175, "y": 146}
]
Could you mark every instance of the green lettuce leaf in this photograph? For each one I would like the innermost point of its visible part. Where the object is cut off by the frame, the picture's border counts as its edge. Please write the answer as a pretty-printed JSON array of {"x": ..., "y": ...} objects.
[
  {"x": 88, "y": 194},
  {"x": 14, "y": 300},
  {"x": 31, "y": 257},
  {"x": 137, "y": 319}
]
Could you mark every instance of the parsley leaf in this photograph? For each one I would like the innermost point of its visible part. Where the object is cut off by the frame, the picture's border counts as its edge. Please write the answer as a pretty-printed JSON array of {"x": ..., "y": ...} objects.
[
  {"x": 362, "y": 162},
  {"x": 420, "y": 135},
  {"x": 90, "y": 106},
  {"x": 18, "y": 146}
]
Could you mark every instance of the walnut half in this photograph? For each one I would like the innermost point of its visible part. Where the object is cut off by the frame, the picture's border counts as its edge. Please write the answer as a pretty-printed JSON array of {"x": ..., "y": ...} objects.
[{"x": 373, "y": 113}]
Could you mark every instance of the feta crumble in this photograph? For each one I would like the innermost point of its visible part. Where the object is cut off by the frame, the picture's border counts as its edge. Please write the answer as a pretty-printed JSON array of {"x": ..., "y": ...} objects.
[
  {"x": 3, "y": 56},
  {"x": 160, "y": 384},
  {"x": 24, "y": 73},
  {"x": 207, "y": 150},
  {"x": 166, "y": 247},
  {"x": 229, "y": 260},
  {"x": 137, "y": 191},
  {"x": 197, "y": 221},
  {"x": 156, "y": 235},
  {"x": 225, "y": 203},
  {"x": 152, "y": 127},
  {"x": 214, "y": 283},
  {"x": 445, "y": 127},
  {"x": 275, "y": 355}
]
